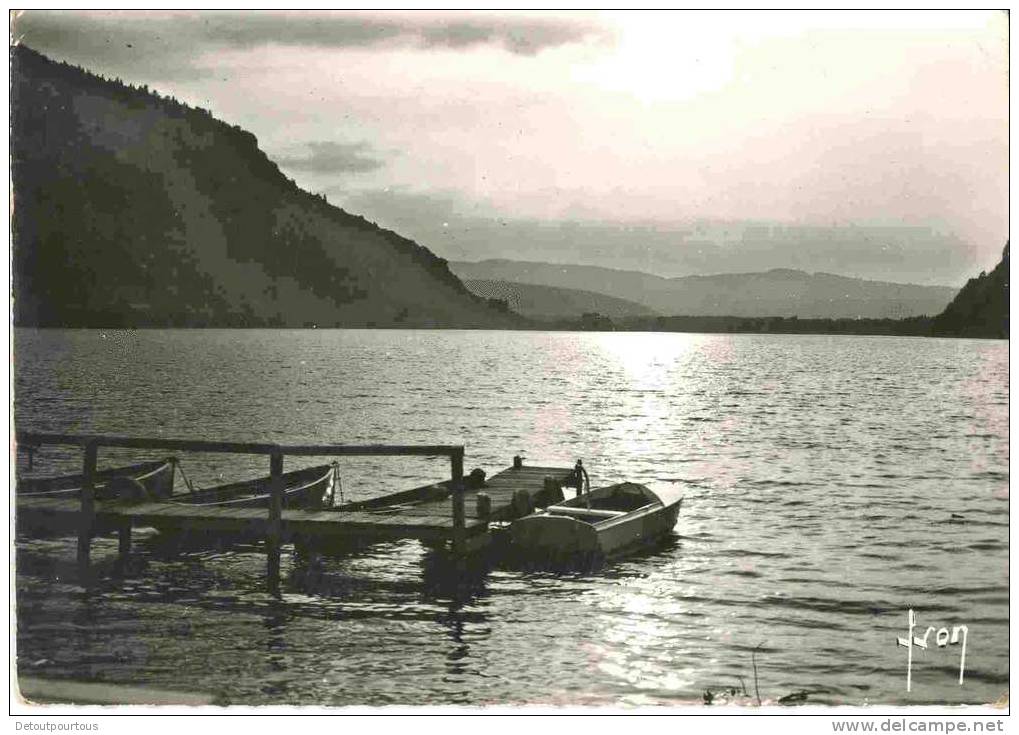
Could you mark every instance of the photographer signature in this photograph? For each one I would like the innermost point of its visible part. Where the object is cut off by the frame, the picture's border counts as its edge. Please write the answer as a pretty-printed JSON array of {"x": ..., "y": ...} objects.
[{"x": 942, "y": 638}]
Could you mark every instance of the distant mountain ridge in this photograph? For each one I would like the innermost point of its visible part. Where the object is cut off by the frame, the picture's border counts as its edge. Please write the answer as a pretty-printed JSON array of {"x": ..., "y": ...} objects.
[
  {"x": 133, "y": 209},
  {"x": 779, "y": 292},
  {"x": 549, "y": 303}
]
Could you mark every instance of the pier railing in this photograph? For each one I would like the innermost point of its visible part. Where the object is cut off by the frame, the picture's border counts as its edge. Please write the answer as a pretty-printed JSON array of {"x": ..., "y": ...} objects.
[{"x": 90, "y": 445}]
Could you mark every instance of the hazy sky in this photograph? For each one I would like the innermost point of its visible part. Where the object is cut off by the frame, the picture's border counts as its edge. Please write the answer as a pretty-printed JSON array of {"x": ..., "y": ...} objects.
[{"x": 870, "y": 144}]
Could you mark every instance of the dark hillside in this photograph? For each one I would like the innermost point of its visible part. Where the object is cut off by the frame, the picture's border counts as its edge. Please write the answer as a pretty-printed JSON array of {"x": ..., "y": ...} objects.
[
  {"x": 132, "y": 209},
  {"x": 981, "y": 307}
]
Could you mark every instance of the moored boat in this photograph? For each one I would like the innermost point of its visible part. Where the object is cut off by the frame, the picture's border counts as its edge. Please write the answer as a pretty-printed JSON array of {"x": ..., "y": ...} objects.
[
  {"x": 305, "y": 488},
  {"x": 603, "y": 522},
  {"x": 388, "y": 504},
  {"x": 393, "y": 502},
  {"x": 155, "y": 477}
]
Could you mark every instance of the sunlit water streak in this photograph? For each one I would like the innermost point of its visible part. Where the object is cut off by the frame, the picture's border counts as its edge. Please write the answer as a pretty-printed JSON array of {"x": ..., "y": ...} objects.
[{"x": 821, "y": 476}]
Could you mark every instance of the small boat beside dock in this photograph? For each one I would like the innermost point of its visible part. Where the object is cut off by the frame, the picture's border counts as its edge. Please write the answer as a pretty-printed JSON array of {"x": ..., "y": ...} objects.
[
  {"x": 154, "y": 480},
  {"x": 602, "y": 523},
  {"x": 155, "y": 477},
  {"x": 305, "y": 488}
]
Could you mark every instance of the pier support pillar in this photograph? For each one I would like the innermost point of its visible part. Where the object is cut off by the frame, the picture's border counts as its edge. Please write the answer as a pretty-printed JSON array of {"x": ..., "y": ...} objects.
[
  {"x": 459, "y": 514},
  {"x": 87, "y": 513},
  {"x": 273, "y": 536},
  {"x": 124, "y": 540}
]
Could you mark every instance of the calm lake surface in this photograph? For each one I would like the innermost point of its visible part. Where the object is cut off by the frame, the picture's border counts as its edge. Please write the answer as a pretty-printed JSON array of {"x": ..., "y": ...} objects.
[{"x": 831, "y": 483}]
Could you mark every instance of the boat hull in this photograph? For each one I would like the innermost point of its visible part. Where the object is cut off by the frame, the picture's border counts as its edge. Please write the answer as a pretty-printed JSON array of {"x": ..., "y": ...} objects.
[
  {"x": 306, "y": 489},
  {"x": 556, "y": 536},
  {"x": 156, "y": 477}
]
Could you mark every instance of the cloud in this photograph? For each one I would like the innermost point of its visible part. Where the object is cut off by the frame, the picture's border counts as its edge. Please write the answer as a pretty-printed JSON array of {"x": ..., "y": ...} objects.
[
  {"x": 123, "y": 44},
  {"x": 123, "y": 34},
  {"x": 327, "y": 157},
  {"x": 518, "y": 36}
]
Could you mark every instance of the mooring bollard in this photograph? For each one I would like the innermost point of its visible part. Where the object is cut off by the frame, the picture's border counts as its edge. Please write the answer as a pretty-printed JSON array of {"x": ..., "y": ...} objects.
[
  {"x": 483, "y": 506},
  {"x": 551, "y": 491},
  {"x": 274, "y": 531},
  {"x": 522, "y": 503},
  {"x": 456, "y": 461},
  {"x": 87, "y": 513}
]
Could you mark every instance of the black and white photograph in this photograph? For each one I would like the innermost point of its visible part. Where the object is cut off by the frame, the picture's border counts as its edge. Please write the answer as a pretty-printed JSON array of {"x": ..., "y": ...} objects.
[{"x": 510, "y": 362}]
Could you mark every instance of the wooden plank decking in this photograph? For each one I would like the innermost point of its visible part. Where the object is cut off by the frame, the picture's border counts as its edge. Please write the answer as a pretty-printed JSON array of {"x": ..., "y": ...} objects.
[{"x": 501, "y": 487}]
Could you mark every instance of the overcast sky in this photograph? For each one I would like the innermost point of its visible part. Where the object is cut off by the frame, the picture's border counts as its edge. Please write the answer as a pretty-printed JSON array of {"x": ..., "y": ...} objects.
[{"x": 868, "y": 144}]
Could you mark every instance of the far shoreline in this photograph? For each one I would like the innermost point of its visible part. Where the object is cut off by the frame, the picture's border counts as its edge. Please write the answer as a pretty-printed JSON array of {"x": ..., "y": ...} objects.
[{"x": 760, "y": 325}]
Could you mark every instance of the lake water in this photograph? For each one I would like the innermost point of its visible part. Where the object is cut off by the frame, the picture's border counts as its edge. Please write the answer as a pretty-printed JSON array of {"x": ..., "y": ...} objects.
[{"x": 831, "y": 484}]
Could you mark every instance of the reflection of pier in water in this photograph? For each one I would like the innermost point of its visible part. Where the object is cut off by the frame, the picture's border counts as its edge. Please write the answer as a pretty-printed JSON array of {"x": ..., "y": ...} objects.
[
  {"x": 449, "y": 592},
  {"x": 461, "y": 585}
]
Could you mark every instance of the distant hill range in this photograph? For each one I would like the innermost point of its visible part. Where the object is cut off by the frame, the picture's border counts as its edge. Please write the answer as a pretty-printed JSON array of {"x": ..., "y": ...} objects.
[
  {"x": 133, "y": 209},
  {"x": 979, "y": 310},
  {"x": 779, "y": 292},
  {"x": 981, "y": 307},
  {"x": 548, "y": 303}
]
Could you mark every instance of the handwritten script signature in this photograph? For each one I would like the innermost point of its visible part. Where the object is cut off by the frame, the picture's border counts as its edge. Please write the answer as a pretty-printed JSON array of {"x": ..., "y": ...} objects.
[{"x": 942, "y": 638}]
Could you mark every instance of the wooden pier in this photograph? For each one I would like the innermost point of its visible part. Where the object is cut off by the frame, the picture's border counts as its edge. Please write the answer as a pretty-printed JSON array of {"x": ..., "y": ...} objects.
[{"x": 461, "y": 519}]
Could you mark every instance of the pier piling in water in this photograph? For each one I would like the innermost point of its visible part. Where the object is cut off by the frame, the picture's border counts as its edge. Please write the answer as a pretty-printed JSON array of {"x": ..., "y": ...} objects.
[
  {"x": 86, "y": 522},
  {"x": 459, "y": 514},
  {"x": 124, "y": 539},
  {"x": 273, "y": 541}
]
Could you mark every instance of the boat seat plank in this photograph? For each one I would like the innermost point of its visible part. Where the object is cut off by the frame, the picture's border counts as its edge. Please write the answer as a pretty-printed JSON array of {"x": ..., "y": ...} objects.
[{"x": 567, "y": 510}]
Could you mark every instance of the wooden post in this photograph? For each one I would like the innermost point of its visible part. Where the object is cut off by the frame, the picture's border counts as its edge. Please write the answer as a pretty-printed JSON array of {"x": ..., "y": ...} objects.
[
  {"x": 124, "y": 535},
  {"x": 87, "y": 514},
  {"x": 272, "y": 541},
  {"x": 518, "y": 462},
  {"x": 459, "y": 516}
]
